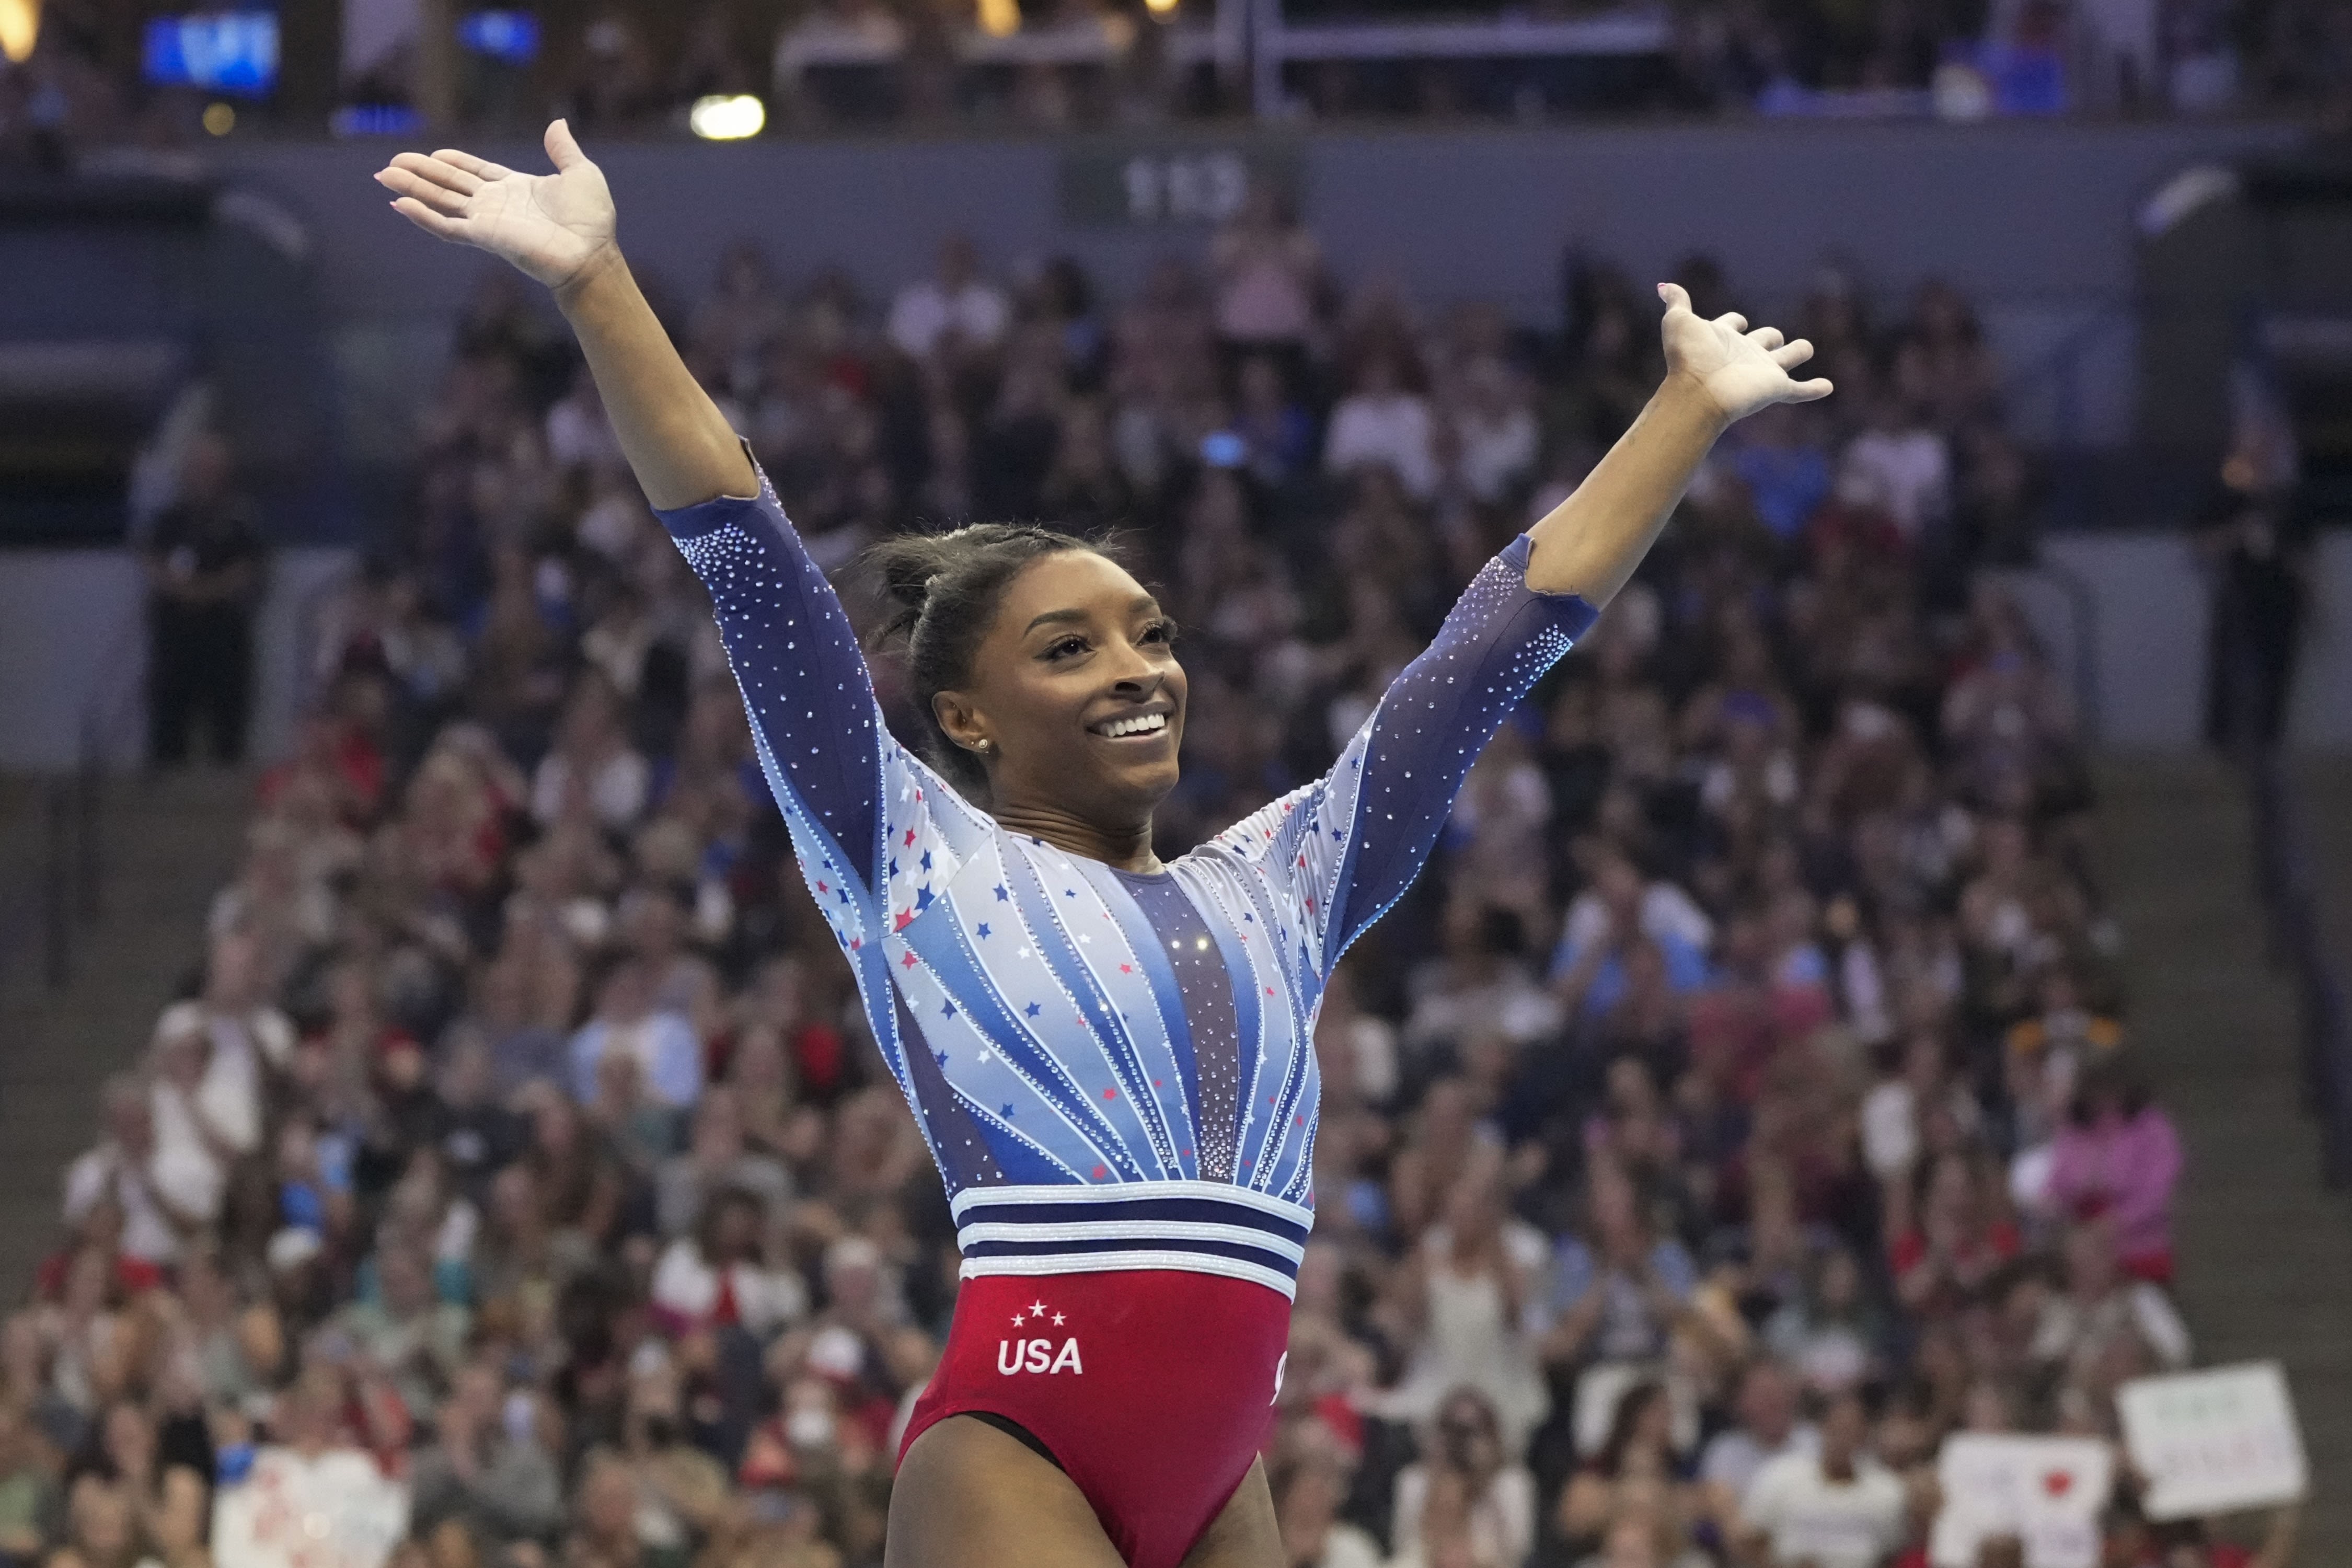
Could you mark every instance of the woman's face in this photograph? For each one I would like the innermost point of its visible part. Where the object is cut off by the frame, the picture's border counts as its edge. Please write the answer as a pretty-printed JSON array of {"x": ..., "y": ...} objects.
[{"x": 1078, "y": 650}]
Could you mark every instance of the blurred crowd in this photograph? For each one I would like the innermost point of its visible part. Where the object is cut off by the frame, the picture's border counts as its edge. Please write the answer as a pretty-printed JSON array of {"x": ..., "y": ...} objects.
[
  {"x": 1743, "y": 1102},
  {"x": 632, "y": 67}
]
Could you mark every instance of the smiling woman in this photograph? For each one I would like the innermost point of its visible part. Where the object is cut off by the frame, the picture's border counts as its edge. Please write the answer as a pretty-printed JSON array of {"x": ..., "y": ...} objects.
[
  {"x": 1111, "y": 1059},
  {"x": 1011, "y": 632}
]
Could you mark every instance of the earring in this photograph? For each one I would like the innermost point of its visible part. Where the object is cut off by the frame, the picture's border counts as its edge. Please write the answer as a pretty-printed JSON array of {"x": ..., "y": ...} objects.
[{"x": 984, "y": 747}]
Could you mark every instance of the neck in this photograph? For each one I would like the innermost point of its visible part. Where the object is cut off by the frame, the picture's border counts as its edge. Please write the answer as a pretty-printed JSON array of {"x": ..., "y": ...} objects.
[{"x": 1127, "y": 846}]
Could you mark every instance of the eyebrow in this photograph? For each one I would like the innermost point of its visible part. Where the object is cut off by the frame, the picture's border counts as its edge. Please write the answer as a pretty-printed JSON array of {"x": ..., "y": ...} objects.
[{"x": 1142, "y": 602}]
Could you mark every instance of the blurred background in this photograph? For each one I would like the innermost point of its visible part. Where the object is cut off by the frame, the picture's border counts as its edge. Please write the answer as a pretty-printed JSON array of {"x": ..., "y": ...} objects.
[{"x": 1884, "y": 989}]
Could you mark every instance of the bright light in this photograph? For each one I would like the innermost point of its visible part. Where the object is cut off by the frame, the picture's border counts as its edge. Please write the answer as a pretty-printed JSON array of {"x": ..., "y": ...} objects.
[
  {"x": 1162, "y": 8},
  {"x": 1000, "y": 19},
  {"x": 20, "y": 25},
  {"x": 726, "y": 118},
  {"x": 219, "y": 119}
]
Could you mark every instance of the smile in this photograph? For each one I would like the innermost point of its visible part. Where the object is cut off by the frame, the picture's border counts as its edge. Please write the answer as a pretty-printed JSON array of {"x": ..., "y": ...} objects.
[{"x": 1142, "y": 724}]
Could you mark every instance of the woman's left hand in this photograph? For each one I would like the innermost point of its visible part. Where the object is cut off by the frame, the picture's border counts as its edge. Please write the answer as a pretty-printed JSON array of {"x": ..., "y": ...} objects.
[{"x": 1741, "y": 371}]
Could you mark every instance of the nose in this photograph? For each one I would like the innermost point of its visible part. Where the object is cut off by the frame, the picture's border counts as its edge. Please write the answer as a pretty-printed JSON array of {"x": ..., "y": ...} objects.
[{"x": 1137, "y": 677}]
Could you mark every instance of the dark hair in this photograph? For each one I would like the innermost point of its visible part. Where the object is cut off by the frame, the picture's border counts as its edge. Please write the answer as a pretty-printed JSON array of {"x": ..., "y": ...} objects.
[
  {"x": 1632, "y": 1404},
  {"x": 944, "y": 590},
  {"x": 2114, "y": 1075},
  {"x": 720, "y": 1203}
]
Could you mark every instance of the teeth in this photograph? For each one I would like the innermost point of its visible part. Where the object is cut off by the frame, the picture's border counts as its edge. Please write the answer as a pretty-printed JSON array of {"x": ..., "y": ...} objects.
[{"x": 1141, "y": 725}]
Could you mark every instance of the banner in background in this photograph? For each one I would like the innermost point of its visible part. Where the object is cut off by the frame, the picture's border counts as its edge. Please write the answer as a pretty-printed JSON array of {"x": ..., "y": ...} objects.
[
  {"x": 2046, "y": 1491},
  {"x": 2213, "y": 1441}
]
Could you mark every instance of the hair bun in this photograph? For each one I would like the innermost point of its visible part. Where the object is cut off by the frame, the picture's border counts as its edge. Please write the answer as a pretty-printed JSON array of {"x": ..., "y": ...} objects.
[{"x": 907, "y": 568}]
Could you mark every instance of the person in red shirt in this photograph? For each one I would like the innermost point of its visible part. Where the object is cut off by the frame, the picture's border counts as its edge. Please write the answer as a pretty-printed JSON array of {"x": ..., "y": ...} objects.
[{"x": 1949, "y": 1256}]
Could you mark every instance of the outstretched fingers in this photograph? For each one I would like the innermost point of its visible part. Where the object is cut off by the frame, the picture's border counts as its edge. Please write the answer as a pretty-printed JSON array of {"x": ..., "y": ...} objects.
[
  {"x": 427, "y": 185},
  {"x": 441, "y": 172},
  {"x": 481, "y": 168},
  {"x": 1675, "y": 295},
  {"x": 1766, "y": 338},
  {"x": 1791, "y": 354},
  {"x": 1812, "y": 391},
  {"x": 431, "y": 222},
  {"x": 424, "y": 194}
]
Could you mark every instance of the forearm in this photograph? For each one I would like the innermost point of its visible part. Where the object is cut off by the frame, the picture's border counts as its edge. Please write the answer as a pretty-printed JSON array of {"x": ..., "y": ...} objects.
[
  {"x": 675, "y": 440},
  {"x": 1590, "y": 544}
]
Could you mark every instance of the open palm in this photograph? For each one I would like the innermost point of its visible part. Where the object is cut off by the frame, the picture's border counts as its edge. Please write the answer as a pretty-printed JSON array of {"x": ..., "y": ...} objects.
[
  {"x": 1743, "y": 371},
  {"x": 552, "y": 226}
]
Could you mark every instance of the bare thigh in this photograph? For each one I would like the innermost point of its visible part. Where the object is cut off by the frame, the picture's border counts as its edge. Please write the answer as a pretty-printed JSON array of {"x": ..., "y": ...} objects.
[
  {"x": 1244, "y": 1535},
  {"x": 969, "y": 1496}
]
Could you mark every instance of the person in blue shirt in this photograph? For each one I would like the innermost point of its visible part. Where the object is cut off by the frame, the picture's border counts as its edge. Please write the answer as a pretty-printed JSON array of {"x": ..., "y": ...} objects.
[
  {"x": 1589, "y": 966},
  {"x": 1788, "y": 476},
  {"x": 1111, "y": 1057}
]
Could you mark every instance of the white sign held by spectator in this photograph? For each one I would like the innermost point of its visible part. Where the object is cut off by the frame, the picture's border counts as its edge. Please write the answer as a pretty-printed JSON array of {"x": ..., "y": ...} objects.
[
  {"x": 2046, "y": 1491},
  {"x": 337, "y": 1511},
  {"x": 2213, "y": 1441}
]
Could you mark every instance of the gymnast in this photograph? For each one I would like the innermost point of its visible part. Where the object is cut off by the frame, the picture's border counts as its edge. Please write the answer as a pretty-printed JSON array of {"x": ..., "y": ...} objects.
[{"x": 1109, "y": 1055}]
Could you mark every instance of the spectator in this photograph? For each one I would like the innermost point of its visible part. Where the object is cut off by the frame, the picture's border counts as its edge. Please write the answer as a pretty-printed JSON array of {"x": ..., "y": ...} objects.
[
  {"x": 2118, "y": 1157},
  {"x": 1276, "y": 431},
  {"x": 956, "y": 311},
  {"x": 1268, "y": 272},
  {"x": 1384, "y": 422},
  {"x": 1494, "y": 432},
  {"x": 593, "y": 770},
  {"x": 1307, "y": 1493},
  {"x": 205, "y": 560},
  {"x": 1905, "y": 465},
  {"x": 1634, "y": 1474},
  {"x": 1619, "y": 1292},
  {"x": 629, "y": 1023},
  {"x": 120, "y": 1172},
  {"x": 1467, "y": 1504},
  {"x": 715, "y": 1275},
  {"x": 486, "y": 1468},
  {"x": 1786, "y": 473},
  {"x": 2101, "y": 1309},
  {"x": 1764, "y": 1405},
  {"x": 1838, "y": 1508}
]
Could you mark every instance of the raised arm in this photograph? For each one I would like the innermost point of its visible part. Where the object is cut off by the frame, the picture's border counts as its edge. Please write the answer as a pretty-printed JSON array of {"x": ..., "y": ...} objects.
[
  {"x": 1348, "y": 845},
  {"x": 843, "y": 785},
  {"x": 558, "y": 228},
  {"x": 1717, "y": 373}
]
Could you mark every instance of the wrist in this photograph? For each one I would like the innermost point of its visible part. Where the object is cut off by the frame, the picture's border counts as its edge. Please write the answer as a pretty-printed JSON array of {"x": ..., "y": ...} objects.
[
  {"x": 1685, "y": 395},
  {"x": 603, "y": 267}
]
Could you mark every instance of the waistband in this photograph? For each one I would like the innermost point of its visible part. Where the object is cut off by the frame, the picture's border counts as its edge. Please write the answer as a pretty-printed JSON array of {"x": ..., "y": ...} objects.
[{"x": 1199, "y": 1227}]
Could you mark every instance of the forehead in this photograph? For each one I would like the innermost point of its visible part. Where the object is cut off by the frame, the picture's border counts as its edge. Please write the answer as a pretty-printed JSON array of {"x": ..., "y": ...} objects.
[{"x": 1080, "y": 580}]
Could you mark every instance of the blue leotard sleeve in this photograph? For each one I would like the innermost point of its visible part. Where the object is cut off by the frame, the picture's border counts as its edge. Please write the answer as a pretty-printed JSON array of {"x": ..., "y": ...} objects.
[
  {"x": 806, "y": 686},
  {"x": 877, "y": 831},
  {"x": 1346, "y": 847}
]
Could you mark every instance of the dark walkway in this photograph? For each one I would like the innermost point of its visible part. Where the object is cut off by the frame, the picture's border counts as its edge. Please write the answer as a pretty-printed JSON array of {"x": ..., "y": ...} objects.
[
  {"x": 170, "y": 845},
  {"x": 2265, "y": 1252}
]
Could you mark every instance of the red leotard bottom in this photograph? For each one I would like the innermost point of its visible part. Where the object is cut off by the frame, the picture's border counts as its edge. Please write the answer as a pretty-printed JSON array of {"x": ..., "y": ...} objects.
[{"x": 1154, "y": 1389}]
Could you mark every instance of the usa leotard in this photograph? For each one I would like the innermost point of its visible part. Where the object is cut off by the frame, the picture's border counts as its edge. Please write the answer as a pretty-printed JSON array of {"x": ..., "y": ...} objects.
[{"x": 1114, "y": 1072}]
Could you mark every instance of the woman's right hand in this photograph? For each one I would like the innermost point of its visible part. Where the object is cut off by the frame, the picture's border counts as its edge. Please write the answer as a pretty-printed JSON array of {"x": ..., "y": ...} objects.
[{"x": 558, "y": 229}]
